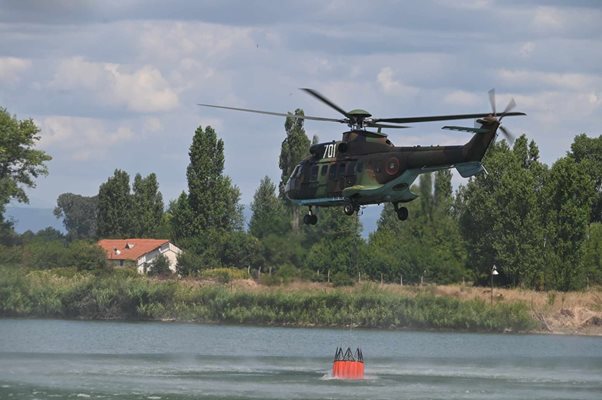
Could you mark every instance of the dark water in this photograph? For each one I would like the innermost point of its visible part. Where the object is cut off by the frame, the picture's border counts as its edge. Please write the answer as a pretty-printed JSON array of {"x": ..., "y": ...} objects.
[{"x": 50, "y": 359}]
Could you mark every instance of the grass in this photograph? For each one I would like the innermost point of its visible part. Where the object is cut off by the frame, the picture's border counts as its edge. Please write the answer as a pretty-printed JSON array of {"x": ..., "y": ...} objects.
[{"x": 66, "y": 293}]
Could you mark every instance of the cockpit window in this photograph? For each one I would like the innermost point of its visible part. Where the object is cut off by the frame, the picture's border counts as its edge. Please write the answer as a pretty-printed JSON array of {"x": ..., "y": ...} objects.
[
  {"x": 314, "y": 173},
  {"x": 342, "y": 170},
  {"x": 332, "y": 172}
]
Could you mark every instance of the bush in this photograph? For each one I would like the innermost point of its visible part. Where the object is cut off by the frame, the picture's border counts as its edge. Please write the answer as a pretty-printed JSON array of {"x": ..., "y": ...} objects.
[
  {"x": 10, "y": 254},
  {"x": 87, "y": 256},
  {"x": 188, "y": 264},
  {"x": 159, "y": 266},
  {"x": 342, "y": 279}
]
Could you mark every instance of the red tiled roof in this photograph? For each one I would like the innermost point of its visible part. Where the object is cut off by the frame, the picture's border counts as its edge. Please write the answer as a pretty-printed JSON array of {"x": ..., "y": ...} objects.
[{"x": 140, "y": 247}]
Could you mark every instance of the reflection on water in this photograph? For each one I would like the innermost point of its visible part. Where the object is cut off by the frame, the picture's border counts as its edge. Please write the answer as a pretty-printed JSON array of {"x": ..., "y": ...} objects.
[{"x": 48, "y": 359}]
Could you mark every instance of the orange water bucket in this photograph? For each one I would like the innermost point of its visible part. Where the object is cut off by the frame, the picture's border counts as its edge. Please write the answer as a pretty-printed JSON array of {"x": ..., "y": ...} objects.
[{"x": 348, "y": 365}]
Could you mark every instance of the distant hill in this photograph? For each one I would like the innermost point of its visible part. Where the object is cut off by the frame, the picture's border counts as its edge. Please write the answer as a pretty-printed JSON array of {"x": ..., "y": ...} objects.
[{"x": 33, "y": 219}]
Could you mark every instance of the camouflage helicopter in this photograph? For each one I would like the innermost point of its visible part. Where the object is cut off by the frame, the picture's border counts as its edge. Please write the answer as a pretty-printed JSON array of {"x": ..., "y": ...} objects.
[{"x": 366, "y": 168}]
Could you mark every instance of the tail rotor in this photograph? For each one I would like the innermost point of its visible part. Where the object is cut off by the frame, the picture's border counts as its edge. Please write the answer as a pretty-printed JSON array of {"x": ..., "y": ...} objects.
[{"x": 511, "y": 104}]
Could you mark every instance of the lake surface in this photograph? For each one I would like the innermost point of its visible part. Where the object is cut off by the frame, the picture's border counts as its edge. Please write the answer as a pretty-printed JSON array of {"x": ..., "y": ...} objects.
[{"x": 54, "y": 359}]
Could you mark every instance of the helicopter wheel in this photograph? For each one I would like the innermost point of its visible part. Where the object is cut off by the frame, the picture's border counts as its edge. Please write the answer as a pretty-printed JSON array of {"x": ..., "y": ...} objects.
[
  {"x": 349, "y": 209},
  {"x": 310, "y": 218},
  {"x": 402, "y": 213}
]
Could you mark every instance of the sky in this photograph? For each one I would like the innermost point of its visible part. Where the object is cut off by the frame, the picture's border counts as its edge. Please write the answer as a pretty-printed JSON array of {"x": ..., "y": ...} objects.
[{"x": 115, "y": 83}]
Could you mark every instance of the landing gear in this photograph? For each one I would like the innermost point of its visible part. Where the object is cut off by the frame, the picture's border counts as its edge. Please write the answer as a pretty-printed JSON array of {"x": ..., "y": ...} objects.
[
  {"x": 349, "y": 209},
  {"x": 402, "y": 212},
  {"x": 310, "y": 218}
]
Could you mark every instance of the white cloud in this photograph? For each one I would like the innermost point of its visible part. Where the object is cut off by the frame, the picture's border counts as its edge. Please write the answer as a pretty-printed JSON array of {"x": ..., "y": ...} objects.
[
  {"x": 463, "y": 98},
  {"x": 547, "y": 19},
  {"x": 11, "y": 68},
  {"x": 390, "y": 85},
  {"x": 82, "y": 138},
  {"x": 571, "y": 81},
  {"x": 141, "y": 90}
]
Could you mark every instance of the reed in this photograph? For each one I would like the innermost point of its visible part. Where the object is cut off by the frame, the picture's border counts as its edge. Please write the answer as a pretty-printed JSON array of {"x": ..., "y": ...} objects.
[{"x": 85, "y": 295}]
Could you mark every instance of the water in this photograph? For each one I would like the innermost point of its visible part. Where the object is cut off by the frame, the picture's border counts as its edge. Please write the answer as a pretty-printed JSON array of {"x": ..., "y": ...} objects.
[{"x": 53, "y": 359}]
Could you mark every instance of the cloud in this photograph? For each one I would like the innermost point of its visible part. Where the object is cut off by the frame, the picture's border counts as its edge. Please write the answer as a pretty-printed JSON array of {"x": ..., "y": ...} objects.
[
  {"x": 463, "y": 98},
  {"x": 139, "y": 90},
  {"x": 11, "y": 69},
  {"x": 82, "y": 138},
  {"x": 568, "y": 81},
  {"x": 390, "y": 85}
]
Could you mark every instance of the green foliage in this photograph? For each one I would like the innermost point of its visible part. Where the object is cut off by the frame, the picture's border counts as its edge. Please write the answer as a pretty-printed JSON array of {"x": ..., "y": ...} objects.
[
  {"x": 224, "y": 275},
  {"x": 295, "y": 147},
  {"x": 20, "y": 163},
  {"x": 50, "y": 254},
  {"x": 587, "y": 152},
  {"x": 212, "y": 202},
  {"x": 147, "y": 207},
  {"x": 219, "y": 248},
  {"x": 189, "y": 263},
  {"x": 269, "y": 216},
  {"x": 501, "y": 215},
  {"x": 335, "y": 242},
  {"x": 341, "y": 278},
  {"x": 568, "y": 197},
  {"x": 428, "y": 245},
  {"x": 87, "y": 256},
  {"x": 79, "y": 215},
  {"x": 123, "y": 214},
  {"x": 159, "y": 266},
  {"x": 114, "y": 206},
  {"x": 10, "y": 255},
  {"x": 591, "y": 258},
  {"x": 83, "y": 295}
]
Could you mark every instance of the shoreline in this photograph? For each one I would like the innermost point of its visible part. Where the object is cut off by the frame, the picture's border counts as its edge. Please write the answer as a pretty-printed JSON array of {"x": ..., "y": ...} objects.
[{"x": 121, "y": 296}]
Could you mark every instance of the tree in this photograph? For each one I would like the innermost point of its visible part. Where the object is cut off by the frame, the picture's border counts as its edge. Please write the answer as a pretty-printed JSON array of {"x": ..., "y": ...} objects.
[
  {"x": 335, "y": 243},
  {"x": 587, "y": 152},
  {"x": 295, "y": 147},
  {"x": 181, "y": 215},
  {"x": 428, "y": 245},
  {"x": 212, "y": 199},
  {"x": 79, "y": 215},
  {"x": 147, "y": 206},
  {"x": 114, "y": 206},
  {"x": 501, "y": 215},
  {"x": 20, "y": 162},
  {"x": 568, "y": 197},
  {"x": 268, "y": 212},
  {"x": 591, "y": 257}
]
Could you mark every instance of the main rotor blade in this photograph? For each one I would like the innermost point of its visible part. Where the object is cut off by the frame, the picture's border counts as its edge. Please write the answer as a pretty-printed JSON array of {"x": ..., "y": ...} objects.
[
  {"x": 377, "y": 125},
  {"x": 439, "y": 118},
  {"x": 325, "y": 100},
  {"x": 492, "y": 100},
  {"x": 275, "y": 113}
]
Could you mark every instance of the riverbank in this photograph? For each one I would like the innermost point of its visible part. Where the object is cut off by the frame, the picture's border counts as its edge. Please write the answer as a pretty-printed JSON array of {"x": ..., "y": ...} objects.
[{"x": 119, "y": 295}]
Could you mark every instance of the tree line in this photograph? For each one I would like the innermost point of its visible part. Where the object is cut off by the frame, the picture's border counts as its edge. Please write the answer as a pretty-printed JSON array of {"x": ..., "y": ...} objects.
[{"x": 541, "y": 226}]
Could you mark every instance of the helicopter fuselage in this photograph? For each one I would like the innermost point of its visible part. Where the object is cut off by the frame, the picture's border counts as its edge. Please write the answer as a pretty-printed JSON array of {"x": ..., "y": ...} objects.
[{"x": 366, "y": 168}]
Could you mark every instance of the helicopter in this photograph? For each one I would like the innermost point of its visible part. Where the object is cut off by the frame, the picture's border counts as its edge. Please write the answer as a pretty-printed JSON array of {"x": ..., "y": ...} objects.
[{"x": 364, "y": 167}]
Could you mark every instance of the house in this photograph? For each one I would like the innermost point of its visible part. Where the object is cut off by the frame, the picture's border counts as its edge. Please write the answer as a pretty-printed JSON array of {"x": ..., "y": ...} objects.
[{"x": 139, "y": 252}]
